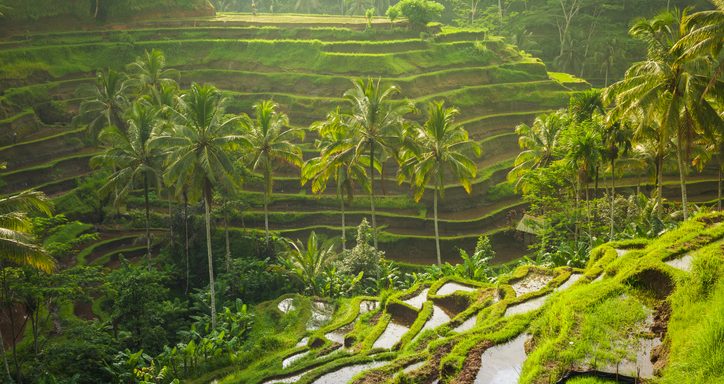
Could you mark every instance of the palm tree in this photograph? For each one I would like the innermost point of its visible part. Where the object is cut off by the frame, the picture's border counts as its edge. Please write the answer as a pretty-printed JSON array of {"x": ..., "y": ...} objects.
[
  {"x": 668, "y": 88},
  {"x": 703, "y": 39},
  {"x": 712, "y": 146},
  {"x": 270, "y": 141},
  {"x": 336, "y": 160},
  {"x": 105, "y": 102},
  {"x": 437, "y": 149},
  {"x": 199, "y": 155},
  {"x": 584, "y": 154},
  {"x": 374, "y": 119},
  {"x": 150, "y": 75},
  {"x": 539, "y": 143},
  {"x": 17, "y": 245},
  {"x": 308, "y": 263},
  {"x": 617, "y": 139},
  {"x": 358, "y": 7},
  {"x": 587, "y": 107},
  {"x": 16, "y": 242},
  {"x": 131, "y": 157}
]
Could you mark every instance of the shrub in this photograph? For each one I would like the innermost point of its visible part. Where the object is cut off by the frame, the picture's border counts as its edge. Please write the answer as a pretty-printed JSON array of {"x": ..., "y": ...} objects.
[
  {"x": 418, "y": 12},
  {"x": 363, "y": 258}
]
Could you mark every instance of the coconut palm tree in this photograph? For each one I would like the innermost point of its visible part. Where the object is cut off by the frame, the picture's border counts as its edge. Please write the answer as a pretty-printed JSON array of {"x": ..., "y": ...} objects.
[
  {"x": 617, "y": 140},
  {"x": 704, "y": 39},
  {"x": 149, "y": 75},
  {"x": 539, "y": 142},
  {"x": 271, "y": 141},
  {"x": 711, "y": 145},
  {"x": 17, "y": 245},
  {"x": 437, "y": 149},
  {"x": 131, "y": 158},
  {"x": 200, "y": 155},
  {"x": 584, "y": 152},
  {"x": 374, "y": 119},
  {"x": 336, "y": 144},
  {"x": 105, "y": 102},
  {"x": 670, "y": 89}
]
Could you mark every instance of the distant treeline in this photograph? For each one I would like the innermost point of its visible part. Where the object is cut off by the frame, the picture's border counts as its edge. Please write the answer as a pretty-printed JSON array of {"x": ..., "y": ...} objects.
[{"x": 26, "y": 10}]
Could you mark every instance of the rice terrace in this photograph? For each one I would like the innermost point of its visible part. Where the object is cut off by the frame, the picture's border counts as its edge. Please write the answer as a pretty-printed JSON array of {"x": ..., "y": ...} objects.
[{"x": 361, "y": 191}]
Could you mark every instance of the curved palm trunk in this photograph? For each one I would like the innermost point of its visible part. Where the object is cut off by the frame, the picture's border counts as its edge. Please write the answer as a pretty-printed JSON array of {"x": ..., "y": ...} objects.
[
  {"x": 212, "y": 290},
  {"x": 437, "y": 232},
  {"x": 98, "y": 7},
  {"x": 148, "y": 220},
  {"x": 372, "y": 192},
  {"x": 682, "y": 180}
]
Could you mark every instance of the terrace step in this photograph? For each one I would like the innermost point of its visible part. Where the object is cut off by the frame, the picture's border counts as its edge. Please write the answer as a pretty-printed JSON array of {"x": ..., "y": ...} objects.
[{"x": 42, "y": 173}]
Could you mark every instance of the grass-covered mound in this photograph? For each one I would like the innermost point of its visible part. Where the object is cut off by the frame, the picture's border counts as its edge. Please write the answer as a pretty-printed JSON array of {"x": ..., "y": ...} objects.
[{"x": 647, "y": 310}]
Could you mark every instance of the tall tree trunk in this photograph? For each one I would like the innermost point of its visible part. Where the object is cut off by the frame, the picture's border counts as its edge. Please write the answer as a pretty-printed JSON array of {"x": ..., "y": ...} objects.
[
  {"x": 5, "y": 357},
  {"x": 186, "y": 240},
  {"x": 588, "y": 216},
  {"x": 98, "y": 7},
  {"x": 267, "y": 191},
  {"x": 682, "y": 179},
  {"x": 660, "y": 185},
  {"x": 372, "y": 192},
  {"x": 212, "y": 289},
  {"x": 613, "y": 193},
  {"x": 148, "y": 219},
  {"x": 344, "y": 230},
  {"x": 578, "y": 197},
  {"x": 500, "y": 10},
  {"x": 170, "y": 214},
  {"x": 437, "y": 233},
  {"x": 595, "y": 184},
  {"x": 227, "y": 257},
  {"x": 718, "y": 192}
]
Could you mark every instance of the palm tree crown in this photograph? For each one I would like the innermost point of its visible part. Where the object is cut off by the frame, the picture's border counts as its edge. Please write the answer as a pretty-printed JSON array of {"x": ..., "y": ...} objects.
[{"x": 17, "y": 245}]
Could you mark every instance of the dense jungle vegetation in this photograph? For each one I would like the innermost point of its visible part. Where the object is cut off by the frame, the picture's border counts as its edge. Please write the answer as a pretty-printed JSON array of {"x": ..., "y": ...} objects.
[{"x": 322, "y": 191}]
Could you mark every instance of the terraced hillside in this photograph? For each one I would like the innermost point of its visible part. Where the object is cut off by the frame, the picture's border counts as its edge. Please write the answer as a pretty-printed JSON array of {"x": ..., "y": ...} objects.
[
  {"x": 305, "y": 64},
  {"x": 628, "y": 316}
]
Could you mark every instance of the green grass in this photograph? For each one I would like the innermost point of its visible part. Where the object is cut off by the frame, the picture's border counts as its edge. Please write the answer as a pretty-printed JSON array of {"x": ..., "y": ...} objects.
[{"x": 696, "y": 328}]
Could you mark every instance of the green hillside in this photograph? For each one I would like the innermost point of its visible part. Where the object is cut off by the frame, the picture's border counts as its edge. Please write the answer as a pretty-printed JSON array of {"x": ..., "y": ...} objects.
[{"x": 305, "y": 68}]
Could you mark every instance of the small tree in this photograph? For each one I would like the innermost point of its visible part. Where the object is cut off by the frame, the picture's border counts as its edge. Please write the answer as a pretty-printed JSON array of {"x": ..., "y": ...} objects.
[
  {"x": 369, "y": 14},
  {"x": 363, "y": 258},
  {"x": 393, "y": 13},
  {"x": 477, "y": 265},
  {"x": 418, "y": 12}
]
